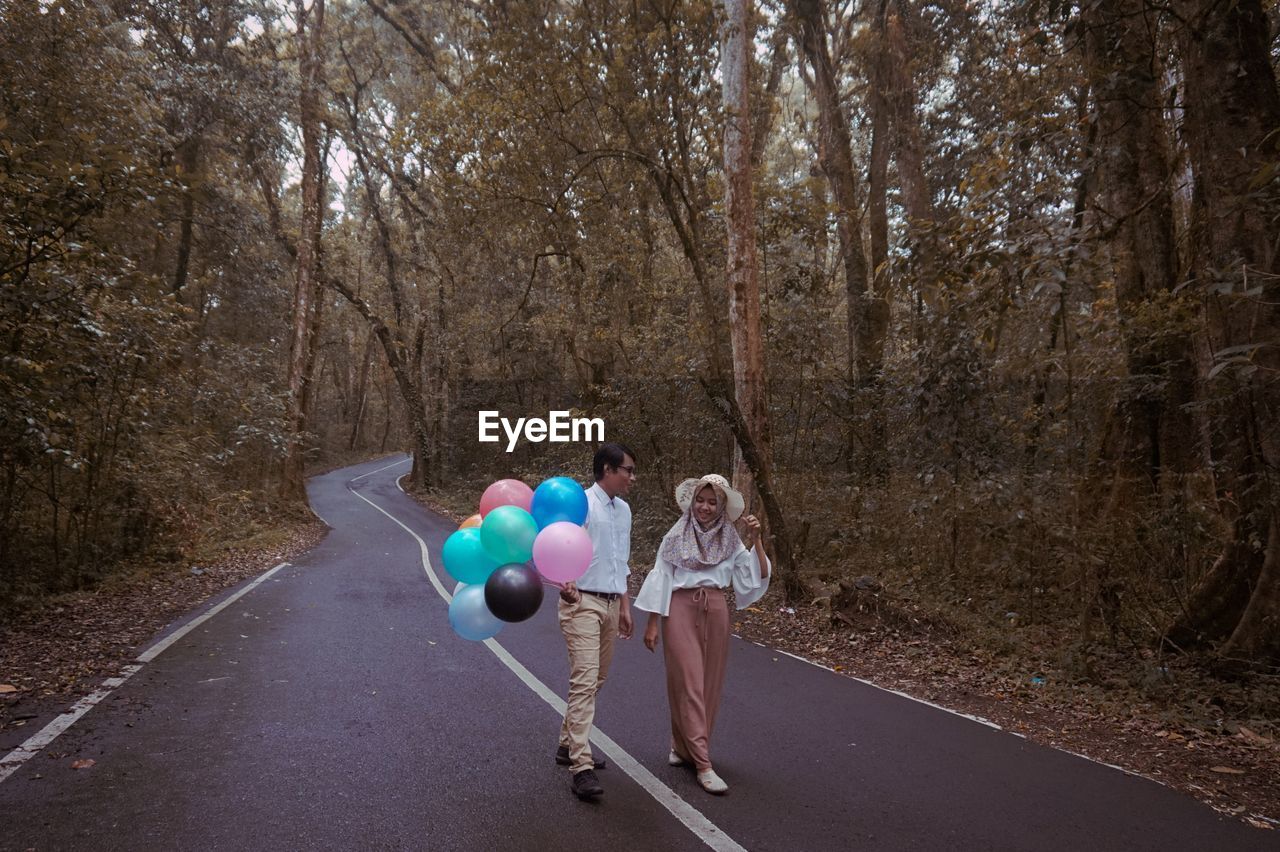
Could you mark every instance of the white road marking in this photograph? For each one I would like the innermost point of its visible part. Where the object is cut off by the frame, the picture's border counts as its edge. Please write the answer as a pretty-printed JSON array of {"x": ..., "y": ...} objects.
[
  {"x": 10, "y": 763},
  {"x": 971, "y": 718},
  {"x": 693, "y": 819},
  {"x": 979, "y": 719},
  {"x": 379, "y": 470},
  {"x": 159, "y": 647}
]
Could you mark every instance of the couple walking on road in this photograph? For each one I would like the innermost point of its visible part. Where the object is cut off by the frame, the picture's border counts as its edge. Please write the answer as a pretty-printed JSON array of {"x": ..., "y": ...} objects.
[{"x": 701, "y": 557}]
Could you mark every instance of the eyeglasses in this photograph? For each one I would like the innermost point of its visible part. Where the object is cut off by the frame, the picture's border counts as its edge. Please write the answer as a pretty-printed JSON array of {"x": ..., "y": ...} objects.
[{"x": 629, "y": 468}]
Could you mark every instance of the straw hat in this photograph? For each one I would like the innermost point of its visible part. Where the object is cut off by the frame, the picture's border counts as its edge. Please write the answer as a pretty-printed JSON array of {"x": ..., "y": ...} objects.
[{"x": 734, "y": 504}]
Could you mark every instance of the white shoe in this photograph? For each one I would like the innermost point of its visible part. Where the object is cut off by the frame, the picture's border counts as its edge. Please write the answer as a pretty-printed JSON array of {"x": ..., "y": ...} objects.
[
  {"x": 674, "y": 759},
  {"x": 711, "y": 782}
]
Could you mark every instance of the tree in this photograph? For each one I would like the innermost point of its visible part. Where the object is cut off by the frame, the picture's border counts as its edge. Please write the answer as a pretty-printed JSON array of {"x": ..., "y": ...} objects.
[
  {"x": 135, "y": 420},
  {"x": 742, "y": 275},
  {"x": 1134, "y": 211},
  {"x": 404, "y": 339},
  {"x": 1232, "y": 112},
  {"x": 867, "y": 308},
  {"x": 310, "y": 35}
]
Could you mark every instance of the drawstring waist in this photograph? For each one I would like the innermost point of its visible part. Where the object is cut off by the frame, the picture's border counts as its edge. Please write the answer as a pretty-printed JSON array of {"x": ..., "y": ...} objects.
[{"x": 702, "y": 600}]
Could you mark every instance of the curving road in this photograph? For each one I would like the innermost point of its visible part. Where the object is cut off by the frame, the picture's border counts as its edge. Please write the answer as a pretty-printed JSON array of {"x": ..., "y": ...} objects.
[{"x": 330, "y": 706}]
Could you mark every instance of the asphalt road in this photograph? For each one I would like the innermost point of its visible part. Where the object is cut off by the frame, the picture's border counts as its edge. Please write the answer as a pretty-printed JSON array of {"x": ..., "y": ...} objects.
[{"x": 332, "y": 707}]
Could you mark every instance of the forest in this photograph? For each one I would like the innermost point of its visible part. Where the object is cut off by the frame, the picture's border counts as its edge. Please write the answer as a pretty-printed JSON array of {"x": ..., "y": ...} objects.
[{"x": 980, "y": 297}]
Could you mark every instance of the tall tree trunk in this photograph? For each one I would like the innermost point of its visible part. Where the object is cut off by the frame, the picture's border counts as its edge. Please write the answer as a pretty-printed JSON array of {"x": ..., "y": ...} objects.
[
  {"x": 762, "y": 111},
  {"x": 403, "y": 355},
  {"x": 189, "y": 162},
  {"x": 387, "y": 404},
  {"x": 878, "y": 226},
  {"x": 742, "y": 274},
  {"x": 362, "y": 392},
  {"x": 1255, "y": 636},
  {"x": 310, "y": 32},
  {"x": 868, "y": 310},
  {"x": 1058, "y": 323},
  {"x": 900, "y": 96},
  {"x": 439, "y": 393},
  {"x": 402, "y": 371},
  {"x": 878, "y": 184},
  {"x": 313, "y": 351},
  {"x": 1231, "y": 116},
  {"x": 742, "y": 264},
  {"x": 1152, "y": 422}
]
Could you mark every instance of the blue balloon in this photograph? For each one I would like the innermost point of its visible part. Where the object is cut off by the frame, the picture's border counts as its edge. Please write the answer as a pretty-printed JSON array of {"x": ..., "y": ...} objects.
[
  {"x": 470, "y": 617},
  {"x": 559, "y": 499},
  {"x": 465, "y": 557}
]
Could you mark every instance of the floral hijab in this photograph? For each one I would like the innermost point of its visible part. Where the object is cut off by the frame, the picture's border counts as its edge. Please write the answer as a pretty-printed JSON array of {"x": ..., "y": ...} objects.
[{"x": 689, "y": 546}]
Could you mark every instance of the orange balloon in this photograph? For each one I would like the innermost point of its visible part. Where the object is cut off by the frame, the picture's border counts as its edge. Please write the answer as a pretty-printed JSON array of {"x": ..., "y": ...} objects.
[{"x": 473, "y": 521}]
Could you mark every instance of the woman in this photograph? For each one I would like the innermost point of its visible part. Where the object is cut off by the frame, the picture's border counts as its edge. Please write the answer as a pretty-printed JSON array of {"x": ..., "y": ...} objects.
[{"x": 700, "y": 558}]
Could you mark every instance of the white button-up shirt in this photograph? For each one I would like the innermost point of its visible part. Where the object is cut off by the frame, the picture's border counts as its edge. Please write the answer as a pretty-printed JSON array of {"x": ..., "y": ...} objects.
[{"x": 609, "y": 525}]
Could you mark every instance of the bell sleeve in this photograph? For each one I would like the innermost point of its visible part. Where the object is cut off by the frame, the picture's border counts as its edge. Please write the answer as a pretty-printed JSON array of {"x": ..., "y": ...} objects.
[
  {"x": 749, "y": 582},
  {"x": 655, "y": 593}
]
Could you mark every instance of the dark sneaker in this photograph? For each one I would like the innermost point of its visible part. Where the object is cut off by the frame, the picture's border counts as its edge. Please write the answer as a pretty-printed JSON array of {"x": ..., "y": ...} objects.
[
  {"x": 562, "y": 758},
  {"x": 586, "y": 785}
]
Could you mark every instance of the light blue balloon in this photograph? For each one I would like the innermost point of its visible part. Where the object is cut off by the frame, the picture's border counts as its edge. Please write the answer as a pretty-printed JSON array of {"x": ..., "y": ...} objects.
[
  {"x": 466, "y": 559},
  {"x": 559, "y": 499},
  {"x": 507, "y": 534},
  {"x": 470, "y": 617}
]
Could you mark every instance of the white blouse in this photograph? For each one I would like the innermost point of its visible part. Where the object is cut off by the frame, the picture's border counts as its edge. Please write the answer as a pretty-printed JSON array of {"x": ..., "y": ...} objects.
[{"x": 743, "y": 571}]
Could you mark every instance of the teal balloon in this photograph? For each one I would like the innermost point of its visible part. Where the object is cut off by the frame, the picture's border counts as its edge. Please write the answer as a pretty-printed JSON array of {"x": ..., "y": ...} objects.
[
  {"x": 466, "y": 559},
  {"x": 507, "y": 534},
  {"x": 559, "y": 499},
  {"x": 470, "y": 617}
]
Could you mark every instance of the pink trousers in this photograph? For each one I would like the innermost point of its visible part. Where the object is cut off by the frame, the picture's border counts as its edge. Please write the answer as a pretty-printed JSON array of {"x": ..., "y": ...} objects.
[{"x": 695, "y": 641}]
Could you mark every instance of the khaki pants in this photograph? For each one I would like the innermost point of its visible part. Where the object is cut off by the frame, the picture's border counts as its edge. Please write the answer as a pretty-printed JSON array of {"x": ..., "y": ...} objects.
[{"x": 590, "y": 629}]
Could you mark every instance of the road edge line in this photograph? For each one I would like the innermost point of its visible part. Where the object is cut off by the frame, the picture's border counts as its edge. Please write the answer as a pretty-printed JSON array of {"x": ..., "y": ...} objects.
[{"x": 34, "y": 744}]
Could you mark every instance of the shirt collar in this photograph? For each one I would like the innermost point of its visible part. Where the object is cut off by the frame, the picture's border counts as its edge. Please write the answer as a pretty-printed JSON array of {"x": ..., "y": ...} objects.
[{"x": 601, "y": 495}]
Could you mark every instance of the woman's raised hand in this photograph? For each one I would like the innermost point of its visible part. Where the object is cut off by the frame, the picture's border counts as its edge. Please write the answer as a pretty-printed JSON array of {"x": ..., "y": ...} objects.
[{"x": 753, "y": 530}]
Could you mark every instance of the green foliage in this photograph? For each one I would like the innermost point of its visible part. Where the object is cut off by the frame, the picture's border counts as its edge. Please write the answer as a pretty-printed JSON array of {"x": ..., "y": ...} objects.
[
  {"x": 125, "y": 408},
  {"x": 548, "y": 175}
]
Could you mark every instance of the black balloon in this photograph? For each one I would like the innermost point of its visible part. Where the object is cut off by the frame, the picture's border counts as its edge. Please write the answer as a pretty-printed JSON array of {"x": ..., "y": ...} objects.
[{"x": 513, "y": 592}]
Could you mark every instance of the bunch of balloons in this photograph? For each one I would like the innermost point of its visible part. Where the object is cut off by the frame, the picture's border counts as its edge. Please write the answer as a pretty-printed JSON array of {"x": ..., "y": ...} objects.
[{"x": 490, "y": 552}]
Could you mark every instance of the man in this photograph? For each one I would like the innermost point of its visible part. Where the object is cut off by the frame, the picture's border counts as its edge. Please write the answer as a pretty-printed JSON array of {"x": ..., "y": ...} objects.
[{"x": 595, "y": 610}]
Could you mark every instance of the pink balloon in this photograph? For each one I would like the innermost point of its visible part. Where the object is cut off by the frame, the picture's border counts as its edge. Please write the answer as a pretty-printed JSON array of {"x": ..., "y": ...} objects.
[
  {"x": 506, "y": 492},
  {"x": 562, "y": 551}
]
